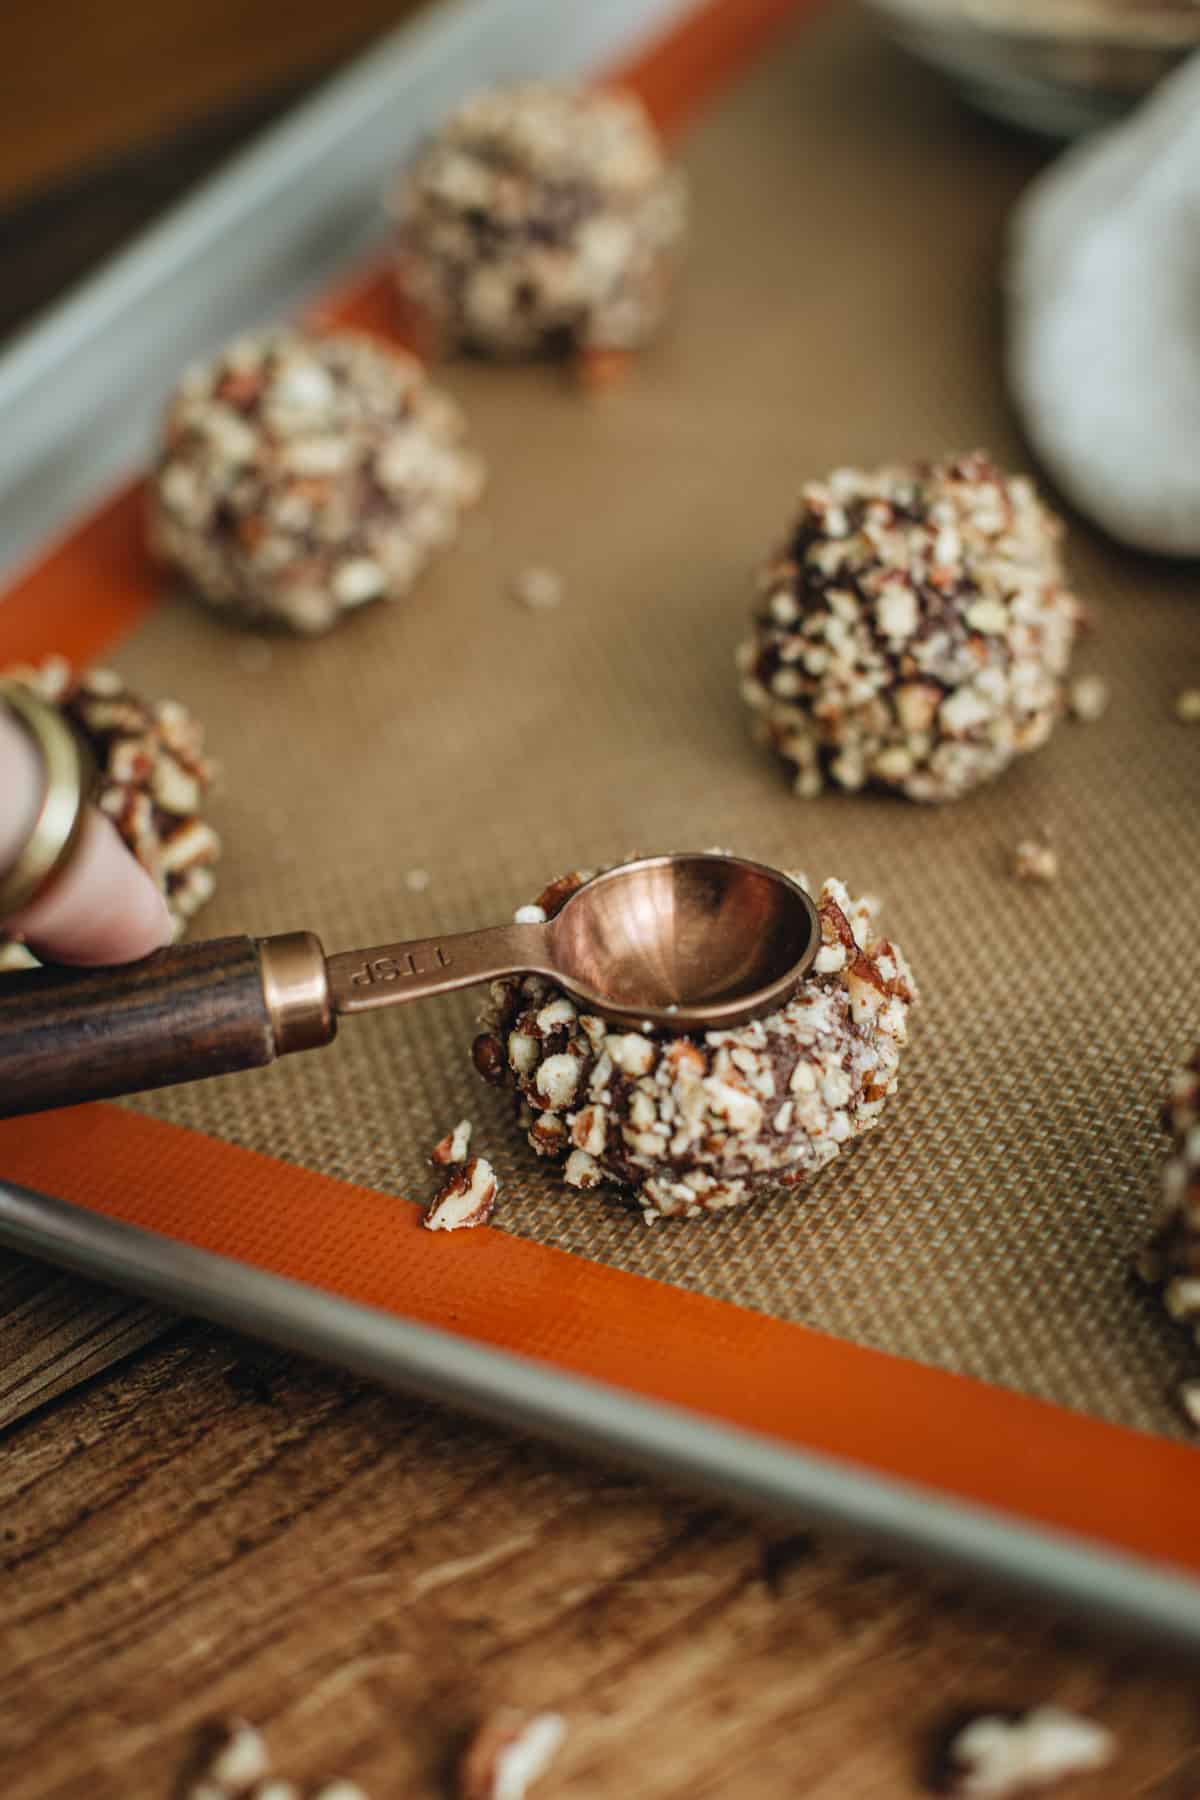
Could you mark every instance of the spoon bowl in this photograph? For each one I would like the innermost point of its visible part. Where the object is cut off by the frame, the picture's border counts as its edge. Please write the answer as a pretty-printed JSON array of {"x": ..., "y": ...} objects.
[{"x": 685, "y": 942}]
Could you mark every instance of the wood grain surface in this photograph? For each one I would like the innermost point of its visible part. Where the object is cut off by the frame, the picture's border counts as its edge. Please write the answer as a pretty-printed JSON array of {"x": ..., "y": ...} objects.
[
  {"x": 217, "y": 1528},
  {"x": 57, "y": 1331},
  {"x": 190, "y": 1525},
  {"x": 192, "y": 1010},
  {"x": 81, "y": 82},
  {"x": 52, "y": 236}
]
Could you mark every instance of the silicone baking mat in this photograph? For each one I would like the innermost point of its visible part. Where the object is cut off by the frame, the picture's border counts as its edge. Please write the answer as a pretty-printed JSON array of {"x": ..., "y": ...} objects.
[{"x": 840, "y": 306}]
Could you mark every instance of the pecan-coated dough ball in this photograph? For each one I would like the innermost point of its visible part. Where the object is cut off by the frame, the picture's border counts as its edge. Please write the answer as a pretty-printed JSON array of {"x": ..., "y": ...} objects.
[
  {"x": 303, "y": 474},
  {"x": 542, "y": 217},
  {"x": 695, "y": 1124},
  {"x": 914, "y": 631}
]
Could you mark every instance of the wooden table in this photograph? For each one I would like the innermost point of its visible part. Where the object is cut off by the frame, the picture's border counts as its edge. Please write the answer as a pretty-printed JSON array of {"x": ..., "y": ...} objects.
[
  {"x": 193, "y": 1526},
  {"x": 209, "y": 1527}
]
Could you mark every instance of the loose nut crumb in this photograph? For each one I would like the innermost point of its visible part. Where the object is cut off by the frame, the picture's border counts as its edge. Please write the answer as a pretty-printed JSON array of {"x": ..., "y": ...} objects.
[
  {"x": 992, "y": 1757},
  {"x": 538, "y": 588},
  {"x": 231, "y": 1762},
  {"x": 453, "y": 1147},
  {"x": 1187, "y": 706},
  {"x": 272, "y": 1787},
  {"x": 241, "y": 1759},
  {"x": 229, "y": 1758},
  {"x": 468, "y": 1198},
  {"x": 1088, "y": 698},
  {"x": 1189, "y": 1399},
  {"x": 417, "y": 880},
  {"x": 508, "y": 1753},
  {"x": 1035, "y": 860}
]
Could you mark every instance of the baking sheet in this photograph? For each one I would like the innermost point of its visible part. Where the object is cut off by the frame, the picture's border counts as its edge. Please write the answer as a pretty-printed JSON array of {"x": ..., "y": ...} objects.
[
  {"x": 987, "y": 1225},
  {"x": 840, "y": 306}
]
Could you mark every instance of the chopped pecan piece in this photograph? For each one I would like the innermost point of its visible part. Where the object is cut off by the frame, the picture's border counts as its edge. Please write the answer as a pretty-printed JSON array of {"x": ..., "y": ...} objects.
[
  {"x": 508, "y": 1753},
  {"x": 453, "y": 1147},
  {"x": 468, "y": 1198}
]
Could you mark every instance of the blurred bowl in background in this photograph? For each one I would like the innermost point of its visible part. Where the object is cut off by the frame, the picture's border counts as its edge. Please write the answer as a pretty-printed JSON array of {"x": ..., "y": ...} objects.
[{"x": 1060, "y": 67}]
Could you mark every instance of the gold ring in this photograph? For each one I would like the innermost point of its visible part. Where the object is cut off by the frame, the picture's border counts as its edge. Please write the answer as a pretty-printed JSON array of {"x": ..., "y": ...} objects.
[{"x": 56, "y": 829}]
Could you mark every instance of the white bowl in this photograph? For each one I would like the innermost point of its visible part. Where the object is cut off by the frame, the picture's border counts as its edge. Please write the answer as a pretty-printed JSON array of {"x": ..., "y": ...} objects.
[{"x": 1059, "y": 67}]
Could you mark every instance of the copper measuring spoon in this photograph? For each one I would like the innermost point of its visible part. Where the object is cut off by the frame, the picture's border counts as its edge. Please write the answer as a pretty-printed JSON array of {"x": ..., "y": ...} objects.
[{"x": 669, "y": 943}]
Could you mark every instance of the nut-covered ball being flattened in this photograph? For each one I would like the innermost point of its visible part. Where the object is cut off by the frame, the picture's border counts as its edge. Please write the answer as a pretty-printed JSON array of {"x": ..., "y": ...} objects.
[
  {"x": 1173, "y": 1256},
  {"x": 696, "y": 1124},
  {"x": 303, "y": 474},
  {"x": 915, "y": 630},
  {"x": 542, "y": 217},
  {"x": 152, "y": 779}
]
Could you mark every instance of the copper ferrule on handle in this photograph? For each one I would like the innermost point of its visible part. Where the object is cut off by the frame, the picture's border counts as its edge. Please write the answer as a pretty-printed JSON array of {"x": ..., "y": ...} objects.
[
  {"x": 297, "y": 992},
  {"x": 305, "y": 990}
]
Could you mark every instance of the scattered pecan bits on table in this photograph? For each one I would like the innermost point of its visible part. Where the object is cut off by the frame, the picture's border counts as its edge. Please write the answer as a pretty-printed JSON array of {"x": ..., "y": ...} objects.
[
  {"x": 468, "y": 1197},
  {"x": 1172, "y": 1257},
  {"x": 1187, "y": 706},
  {"x": 692, "y": 1125},
  {"x": 231, "y": 1762},
  {"x": 241, "y": 1759},
  {"x": 997, "y": 1756},
  {"x": 541, "y": 218},
  {"x": 303, "y": 474},
  {"x": 914, "y": 631},
  {"x": 230, "y": 1758},
  {"x": 508, "y": 1753},
  {"x": 153, "y": 779}
]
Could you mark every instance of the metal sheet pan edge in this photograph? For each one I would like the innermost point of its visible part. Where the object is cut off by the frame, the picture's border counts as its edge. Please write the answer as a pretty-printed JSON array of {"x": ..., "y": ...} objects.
[{"x": 749, "y": 1470}]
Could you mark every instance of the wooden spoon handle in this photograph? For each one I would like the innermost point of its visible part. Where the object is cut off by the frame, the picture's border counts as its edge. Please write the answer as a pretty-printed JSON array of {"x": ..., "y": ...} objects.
[{"x": 68, "y": 1035}]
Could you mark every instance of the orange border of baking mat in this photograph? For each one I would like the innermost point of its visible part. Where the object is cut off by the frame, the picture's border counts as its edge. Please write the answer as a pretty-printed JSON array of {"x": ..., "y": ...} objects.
[
  {"x": 980, "y": 1443},
  {"x": 965, "y": 1438}
]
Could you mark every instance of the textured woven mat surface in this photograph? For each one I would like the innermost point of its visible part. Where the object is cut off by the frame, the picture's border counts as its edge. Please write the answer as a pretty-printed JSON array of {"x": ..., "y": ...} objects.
[{"x": 841, "y": 306}]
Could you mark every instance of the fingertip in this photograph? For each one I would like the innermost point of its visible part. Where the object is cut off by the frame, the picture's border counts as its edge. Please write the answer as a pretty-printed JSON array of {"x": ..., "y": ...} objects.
[
  {"x": 104, "y": 908},
  {"x": 144, "y": 924}
]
